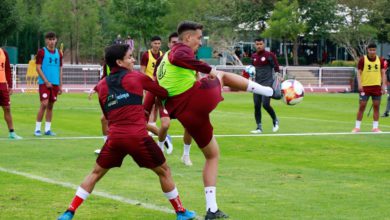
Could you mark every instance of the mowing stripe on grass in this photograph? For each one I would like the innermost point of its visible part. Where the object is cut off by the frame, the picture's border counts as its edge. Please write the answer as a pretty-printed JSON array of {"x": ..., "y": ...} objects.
[
  {"x": 98, "y": 193},
  {"x": 216, "y": 135}
]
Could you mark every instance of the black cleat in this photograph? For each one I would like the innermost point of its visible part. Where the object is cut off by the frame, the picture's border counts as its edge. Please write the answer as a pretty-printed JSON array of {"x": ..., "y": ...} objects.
[
  {"x": 386, "y": 114},
  {"x": 277, "y": 87},
  {"x": 215, "y": 215}
]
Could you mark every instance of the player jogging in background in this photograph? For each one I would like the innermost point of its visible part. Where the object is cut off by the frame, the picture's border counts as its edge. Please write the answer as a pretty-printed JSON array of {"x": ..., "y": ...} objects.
[
  {"x": 120, "y": 97},
  {"x": 186, "y": 100},
  {"x": 386, "y": 113},
  {"x": 49, "y": 68},
  {"x": 371, "y": 80},
  {"x": 148, "y": 64},
  {"x": 264, "y": 62},
  {"x": 164, "y": 117},
  {"x": 6, "y": 91}
]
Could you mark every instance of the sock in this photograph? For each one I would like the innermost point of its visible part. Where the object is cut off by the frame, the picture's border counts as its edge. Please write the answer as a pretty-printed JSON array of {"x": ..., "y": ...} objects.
[
  {"x": 187, "y": 148},
  {"x": 375, "y": 124},
  {"x": 38, "y": 126},
  {"x": 11, "y": 131},
  {"x": 174, "y": 199},
  {"x": 105, "y": 138},
  {"x": 259, "y": 89},
  {"x": 47, "y": 126},
  {"x": 161, "y": 145},
  {"x": 79, "y": 198},
  {"x": 211, "y": 201},
  {"x": 357, "y": 124}
]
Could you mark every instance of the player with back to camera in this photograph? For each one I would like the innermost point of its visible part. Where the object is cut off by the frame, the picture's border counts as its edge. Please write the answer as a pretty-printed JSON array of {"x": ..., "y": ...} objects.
[
  {"x": 371, "y": 80},
  {"x": 120, "y": 97},
  {"x": 186, "y": 100}
]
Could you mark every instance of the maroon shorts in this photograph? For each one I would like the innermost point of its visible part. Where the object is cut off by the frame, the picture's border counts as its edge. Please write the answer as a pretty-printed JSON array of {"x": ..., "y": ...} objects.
[
  {"x": 192, "y": 108},
  {"x": 374, "y": 91},
  {"x": 48, "y": 94},
  {"x": 4, "y": 97},
  {"x": 143, "y": 149}
]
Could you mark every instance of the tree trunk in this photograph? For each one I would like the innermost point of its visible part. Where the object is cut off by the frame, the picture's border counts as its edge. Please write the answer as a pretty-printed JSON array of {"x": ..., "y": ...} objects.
[
  {"x": 295, "y": 52},
  {"x": 285, "y": 51}
]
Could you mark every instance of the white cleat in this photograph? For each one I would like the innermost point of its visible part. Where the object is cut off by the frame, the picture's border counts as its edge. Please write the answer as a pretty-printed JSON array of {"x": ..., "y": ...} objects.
[
  {"x": 97, "y": 151},
  {"x": 275, "y": 128},
  {"x": 186, "y": 160},
  {"x": 168, "y": 144},
  {"x": 257, "y": 131}
]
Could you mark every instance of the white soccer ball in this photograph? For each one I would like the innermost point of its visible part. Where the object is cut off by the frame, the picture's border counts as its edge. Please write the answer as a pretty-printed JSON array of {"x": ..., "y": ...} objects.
[
  {"x": 292, "y": 92},
  {"x": 251, "y": 70}
]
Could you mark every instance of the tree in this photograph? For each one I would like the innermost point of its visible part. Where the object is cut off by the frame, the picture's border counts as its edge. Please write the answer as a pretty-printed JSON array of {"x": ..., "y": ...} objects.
[
  {"x": 9, "y": 19},
  {"x": 286, "y": 24},
  {"x": 355, "y": 32}
]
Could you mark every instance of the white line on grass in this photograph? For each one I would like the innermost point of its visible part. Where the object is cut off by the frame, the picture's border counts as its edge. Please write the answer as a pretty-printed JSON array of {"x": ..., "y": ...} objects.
[
  {"x": 217, "y": 135},
  {"x": 98, "y": 193}
]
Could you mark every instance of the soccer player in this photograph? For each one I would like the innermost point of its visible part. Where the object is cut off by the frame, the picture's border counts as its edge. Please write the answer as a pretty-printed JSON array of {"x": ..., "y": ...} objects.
[
  {"x": 264, "y": 62},
  {"x": 371, "y": 80},
  {"x": 386, "y": 113},
  {"x": 120, "y": 97},
  {"x": 165, "y": 120},
  {"x": 191, "y": 100},
  {"x": 49, "y": 68},
  {"x": 6, "y": 91},
  {"x": 148, "y": 63}
]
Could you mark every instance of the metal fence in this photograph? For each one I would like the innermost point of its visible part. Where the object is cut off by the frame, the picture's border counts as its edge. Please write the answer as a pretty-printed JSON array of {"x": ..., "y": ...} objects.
[{"x": 85, "y": 77}]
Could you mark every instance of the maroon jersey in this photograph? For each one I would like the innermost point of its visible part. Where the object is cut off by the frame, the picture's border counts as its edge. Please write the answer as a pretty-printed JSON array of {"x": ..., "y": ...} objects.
[
  {"x": 361, "y": 63},
  {"x": 128, "y": 119},
  {"x": 145, "y": 58},
  {"x": 8, "y": 76},
  {"x": 41, "y": 54}
]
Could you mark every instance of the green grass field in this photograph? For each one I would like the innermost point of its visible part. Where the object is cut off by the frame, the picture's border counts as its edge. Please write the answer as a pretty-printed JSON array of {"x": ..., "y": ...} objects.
[{"x": 336, "y": 175}]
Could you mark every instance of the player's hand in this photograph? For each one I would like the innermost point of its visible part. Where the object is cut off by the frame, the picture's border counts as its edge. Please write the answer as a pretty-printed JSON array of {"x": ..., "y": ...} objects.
[
  {"x": 10, "y": 91},
  {"x": 48, "y": 84},
  {"x": 360, "y": 88},
  {"x": 384, "y": 90},
  {"x": 59, "y": 90},
  {"x": 91, "y": 92}
]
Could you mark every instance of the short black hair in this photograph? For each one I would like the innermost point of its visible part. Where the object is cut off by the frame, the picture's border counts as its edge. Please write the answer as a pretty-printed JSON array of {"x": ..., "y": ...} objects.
[
  {"x": 172, "y": 35},
  {"x": 188, "y": 25},
  {"x": 50, "y": 34},
  {"x": 259, "y": 39},
  {"x": 115, "y": 52},
  {"x": 154, "y": 38},
  {"x": 371, "y": 45}
]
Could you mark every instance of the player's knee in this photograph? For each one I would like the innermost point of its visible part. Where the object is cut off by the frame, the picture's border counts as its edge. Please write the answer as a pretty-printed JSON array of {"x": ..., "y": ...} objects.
[{"x": 7, "y": 109}]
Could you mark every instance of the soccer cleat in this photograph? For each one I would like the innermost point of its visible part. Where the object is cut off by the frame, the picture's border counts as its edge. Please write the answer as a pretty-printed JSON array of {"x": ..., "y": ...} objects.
[
  {"x": 168, "y": 144},
  {"x": 186, "y": 160},
  {"x": 50, "y": 133},
  {"x": 14, "y": 136},
  {"x": 257, "y": 131},
  {"x": 277, "y": 87},
  {"x": 386, "y": 114},
  {"x": 355, "y": 130},
  {"x": 97, "y": 151},
  {"x": 276, "y": 126},
  {"x": 186, "y": 215},
  {"x": 37, "y": 133},
  {"x": 68, "y": 215},
  {"x": 215, "y": 215},
  {"x": 376, "y": 130}
]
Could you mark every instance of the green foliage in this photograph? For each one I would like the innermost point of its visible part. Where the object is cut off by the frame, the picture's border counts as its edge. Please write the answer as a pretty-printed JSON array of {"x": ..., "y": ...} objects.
[{"x": 9, "y": 19}]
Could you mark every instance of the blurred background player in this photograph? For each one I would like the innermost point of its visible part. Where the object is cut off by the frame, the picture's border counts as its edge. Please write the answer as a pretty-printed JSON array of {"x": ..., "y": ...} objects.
[
  {"x": 264, "y": 62},
  {"x": 387, "y": 63},
  {"x": 148, "y": 64},
  {"x": 186, "y": 100},
  {"x": 49, "y": 68},
  {"x": 6, "y": 91},
  {"x": 371, "y": 80},
  {"x": 120, "y": 97}
]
